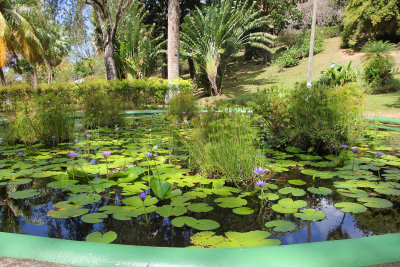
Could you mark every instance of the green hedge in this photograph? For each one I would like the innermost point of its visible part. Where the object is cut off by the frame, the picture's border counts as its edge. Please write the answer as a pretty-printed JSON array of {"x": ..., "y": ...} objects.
[{"x": 133, "y": 93}]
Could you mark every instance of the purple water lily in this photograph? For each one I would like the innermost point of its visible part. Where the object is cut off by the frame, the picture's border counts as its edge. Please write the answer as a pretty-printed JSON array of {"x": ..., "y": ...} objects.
[
  {"x": 259, "y": 170},
  {"x": 72, "y": 155},
  {"x": 260, "y": 183},
  {"x": 150, "y": 130},
  {"x": 117, "y": 129},
  {"x": 149, "y": 154},
  {"x": 142, "y": 196},
  {"x": 106, "y": 154},
  {"x": 54, "y": 137},
  {"x": 88, "y": 135},
  {"x": 183, "y": 112},
  {"x": 86, "y": 131},
  {"x": 345, "y": 146},
  {"x": 20, "y": 154},
  {"x": 379, "y": 154},
  {"x": 354, "y": 150}
]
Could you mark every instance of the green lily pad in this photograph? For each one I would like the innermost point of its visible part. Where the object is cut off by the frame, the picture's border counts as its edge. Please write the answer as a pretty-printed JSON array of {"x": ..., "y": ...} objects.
[
  {"x": 320, "y": 190},
  {"x": 387, "y": 191},
  {"x": 67, "y": 211},
  {"x": 99, "y": 238},
  {"x": 94, "y": 217},
  {"x": 351, "y": 207},
  {"x": 297, "y": 182},
  {"x": 352, "y": 192},
  {"x": 243, "y": 211},
  {"x": 310, "y": 215},
  {"x": 168, "y": 211},
  {"x": 269, "y": 196},
  {"x": 319, "y": 174},
  {"x": 281, "y": 226},
  {"x": 294, "y": 150},
  {"x": 203, "y": 225},
  {"x": 374, "y": 202},
  {"x": 180, "y": 201},
  {"x": 287, "y": 205},
  {"x": 297, "y": 192},
  {"x": 84, "y": 199},
  {"x": 231, "y": 202},
  {"x": 24, "y": 194},
  {"x": 200, "y": 207},
  {"x": 137, "y": 202},
  {"x": 20, "y": 181}
]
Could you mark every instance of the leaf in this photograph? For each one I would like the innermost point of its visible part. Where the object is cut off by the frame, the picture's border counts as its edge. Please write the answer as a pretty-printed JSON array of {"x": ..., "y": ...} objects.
[
  {"x": 243, "y": 211},
  {"x": 137, "y": 202},
  {"x": 200, "y": 207},
  {"x": 84, "y": 199},
  {"x": 99, "y": 238},
  {"x": 94, "y": 217},
  {"x": 310, "y": 215},
  {"x": 231, "y": 202},
  {"x": 24, "y": 194},
  {"x": 67, "y": 212},
  {"x": 353, "y": 193},
  {"x": 160, "y": 188},
  {"x": 297, "y": 182},
  {"x": 168, "y": 211},
  {"x": 387, "y": 191},
  {"x": 374, "y": 202},
  {"x": 203, "y": 225},
  {"x": 269, "y": 196},
  {"x": 287, "y": 205},
  {"x": 320, "y": 190},
  {"x": 320, "y": 174},
  {"x": 350, "y": 207},
  {"x": 20, "y": 181},
  {"x": 297, "y": 192},
  {"x": 281, "y": 226}
]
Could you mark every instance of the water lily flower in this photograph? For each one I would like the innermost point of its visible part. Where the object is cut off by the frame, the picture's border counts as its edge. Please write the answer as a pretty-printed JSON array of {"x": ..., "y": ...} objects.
[
  {"x": 150, "y": 130},
  {"x": 259, "y": 170},
  {"x": 20, "y": 154},
  {"x": 142, "y": 196},
  {"x": 282, "y": 125},
  {"x": 117, "y": 129},
  {"x": 183, "y": 112},
  {"x": 106, "y": 154},
  {"x": 88, "y": 135},
  {"x": 260, "y": 183},
  {"x": 379, "y": 154},
  {"x": 72, "y": 154},
  {"x": 345, "y": 146},
  {"x": 354, "y": 150},
  {"x": 155, "y": 147},
  {"x": 149, "y": 154},
  {"x": 86, "y": 131},
  {"x": 260, "y": 122},
  {"x": 54, "y": 137}
]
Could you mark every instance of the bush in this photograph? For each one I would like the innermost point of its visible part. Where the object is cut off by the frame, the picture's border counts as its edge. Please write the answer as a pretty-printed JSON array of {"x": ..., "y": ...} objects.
[
  {"x": 223, "y": 145},
  {"x": 323, "y": 117},
  {"x": 339, "y": 75},
  {"x": 378, "y": 73},
  {"x": 102, "y": 110},
  {"x": 46, "y": 120},
  {"x": 182, "y": 106},
  {"x": 289, "y": 58},
  {"x": 303, "y": 43}
]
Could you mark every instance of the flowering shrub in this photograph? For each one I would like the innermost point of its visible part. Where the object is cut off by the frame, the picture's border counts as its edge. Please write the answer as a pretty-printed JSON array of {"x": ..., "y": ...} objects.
[{"x": 323, "y": 117}]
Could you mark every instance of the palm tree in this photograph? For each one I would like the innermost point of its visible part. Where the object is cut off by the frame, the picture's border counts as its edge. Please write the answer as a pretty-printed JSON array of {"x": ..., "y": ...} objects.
[
  {"x": 378, "y": 49},
  {"x": 18, "y": 35},
  {"x": 173, "y": 39},
  {"x": 214, "y": 35}
]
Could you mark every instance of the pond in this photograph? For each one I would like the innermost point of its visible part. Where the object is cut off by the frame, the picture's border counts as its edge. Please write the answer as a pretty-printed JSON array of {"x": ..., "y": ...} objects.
[{"x": 52, "y": 193}]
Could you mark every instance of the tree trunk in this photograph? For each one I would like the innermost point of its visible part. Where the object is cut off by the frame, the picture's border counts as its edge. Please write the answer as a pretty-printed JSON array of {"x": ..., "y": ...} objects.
[
  {"x": 35, "y": 76},
  {"x": 3, "y": 79},
  {"x": 192, "y": 69},
  {"x": 111, "y": 68},
  {"x": 50, "y": 74},
  {"x": 173, "y": 39}
]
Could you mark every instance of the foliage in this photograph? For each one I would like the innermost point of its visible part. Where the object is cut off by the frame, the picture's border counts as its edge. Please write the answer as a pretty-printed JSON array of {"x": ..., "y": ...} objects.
[
  {"x": 378, "y": 70},
  {"x": 370, "y": 19},
  {"x": 303, "y": 42},
  {"x": 182, "y": 106},
  {"x": 323, "y": 117},
  {"x": 213, "y": 35},
  {"x": 289, "y": 58},
  {"x": 44, "y": 119},
  {"x": 100, "y": 109},
  {"x": 134, "y": 93},
  {"x": 339, "y": 75},
  {"x": 224, "y": 145}
]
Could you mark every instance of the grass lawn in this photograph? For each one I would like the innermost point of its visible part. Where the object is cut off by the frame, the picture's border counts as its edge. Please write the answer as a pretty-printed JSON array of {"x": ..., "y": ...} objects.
[{"x": 245, "y": 78}]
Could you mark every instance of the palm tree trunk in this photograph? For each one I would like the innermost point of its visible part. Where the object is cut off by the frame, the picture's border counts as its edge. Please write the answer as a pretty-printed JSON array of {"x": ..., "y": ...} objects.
[
  {"x": 3, "y": 79},
  {"x": 109, "y": 61},
  {"x": 173, "y": 39},
  {"x": 35, "y": 76},
  {"x": 50, "y": 74}
]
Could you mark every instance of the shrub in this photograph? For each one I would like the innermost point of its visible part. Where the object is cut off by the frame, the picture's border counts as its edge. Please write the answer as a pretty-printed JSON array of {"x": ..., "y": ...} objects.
[
  {"x": 102, "y": 110},
  {"x": 44, "y": 119},
  {"x": 289, "y": 58},
  {"x": 223, "y": 145},
  {"x": 339, "y": 75},
  {"x": 182, "y": 106},
  {"x": 323, "y": 117},
  {"x": 303, "y": 43},
  {"x": 378, "y": 74}
]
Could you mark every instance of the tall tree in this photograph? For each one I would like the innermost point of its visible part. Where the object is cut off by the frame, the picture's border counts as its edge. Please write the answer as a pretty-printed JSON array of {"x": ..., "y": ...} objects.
[
  {"x": 173, "y": 39},
  {"x": 109, "y": 18}
]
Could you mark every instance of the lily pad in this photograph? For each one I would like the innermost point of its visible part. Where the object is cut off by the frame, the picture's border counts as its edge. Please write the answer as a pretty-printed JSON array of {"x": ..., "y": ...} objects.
[
  {"x": 24, "y": 194},
  {"x": 310, "y": 215},
  {"x": 200, "y": 207},
  {"x": 297, "y": 182},
  {"x": 387, "y": 191},
  {"x": 231, "y": 202},
  {"x": 137, "y": 202},
  {"x": 67, "y": 212},
  {"x": 99, "y": 238},
  {"x": 168, "y": 211},
  {"x": 287, "y": 205},
  {"x": 374, "y": 202},
  {"x": 297, "y": 192},
  {"x": 20, "y": 181},
  {"x": 320, "y": 190},
  {"x": 203, "y": 225},
  {"x": 94, "y": 217},
  {"x": 84, "y": 199},
  {"x": 352, "y": 192},
  {"x": 243, "y": 211},
  {"x": 269, "y": 196},
  {"x": 351, "y": 207},
  {"x": 281, "y": 226}
]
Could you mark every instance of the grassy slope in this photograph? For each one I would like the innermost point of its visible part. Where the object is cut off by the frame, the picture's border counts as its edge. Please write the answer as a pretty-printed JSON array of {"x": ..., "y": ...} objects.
[{"x": 245, "y": 78}]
